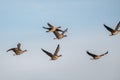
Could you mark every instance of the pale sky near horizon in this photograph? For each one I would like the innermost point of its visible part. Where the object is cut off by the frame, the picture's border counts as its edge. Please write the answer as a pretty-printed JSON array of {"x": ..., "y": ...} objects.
[{"x": 22, "y": 21}]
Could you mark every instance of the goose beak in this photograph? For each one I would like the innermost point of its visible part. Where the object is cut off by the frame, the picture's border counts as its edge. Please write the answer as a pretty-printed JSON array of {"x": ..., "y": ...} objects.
[
  {"x": 111, "y": 35},
  {"x": 91, "y": 59}
]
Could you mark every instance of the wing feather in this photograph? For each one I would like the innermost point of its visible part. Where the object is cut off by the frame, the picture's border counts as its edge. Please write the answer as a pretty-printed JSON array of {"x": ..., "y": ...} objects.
[
  {"x": 57, "y": 50},
  {"x": 18, "y": 46},
  {"x": 118, "y": 25},
  {"x": 108, "y": 28},
  {"x": 48, "y": 53},
  {"x": 64, "y": 31},
  {"x": 104, "y": 54},
  {"x": 93, "y": 55},
  {"x": 51, "y": 26},
  {"x": 10, "y": 49}
]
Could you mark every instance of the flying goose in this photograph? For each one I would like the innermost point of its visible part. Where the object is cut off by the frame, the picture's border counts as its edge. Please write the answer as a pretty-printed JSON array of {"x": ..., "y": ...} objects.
[
  {"x": 55, "y": 55},
  {"x": 94, "y": 56},
  {"x": 60, "y": 35},
  {"x": 17, "y": 50},
  {"x": 52, "y": 28},
  {"x": 113, "y": 31}
]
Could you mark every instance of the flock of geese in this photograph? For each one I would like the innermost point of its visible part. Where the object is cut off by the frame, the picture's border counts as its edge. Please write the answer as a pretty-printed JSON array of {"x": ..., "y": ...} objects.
[{"x": 59, "y": 34}]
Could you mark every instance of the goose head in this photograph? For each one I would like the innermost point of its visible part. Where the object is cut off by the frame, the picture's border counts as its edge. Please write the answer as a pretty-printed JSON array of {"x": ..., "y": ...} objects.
[
  {"x": 59, "y": 55},
  {"x": 64, "y": 35},
  {"x": 25, "y": 51}
]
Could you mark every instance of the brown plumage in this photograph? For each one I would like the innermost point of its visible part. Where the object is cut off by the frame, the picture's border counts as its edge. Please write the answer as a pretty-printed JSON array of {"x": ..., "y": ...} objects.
[
  {"x": 17, "y": 50},
  {"x": 54, "y": 56},
  {"x": 94, "y": 56},
  {"x": 113, "y": 31},
  {"x": 52, "y": 28},
  {"x": 60, "y": 35}
]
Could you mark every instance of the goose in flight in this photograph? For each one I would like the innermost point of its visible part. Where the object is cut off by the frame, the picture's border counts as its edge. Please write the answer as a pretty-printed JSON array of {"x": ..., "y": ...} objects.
[
  {"x": 113, "y": 31},
  {"x": 17, "y": 50},
  {"x": 52, "y": 28},
  {"x": 60, "y": 35},
  {"x": 94, "y": 56},
  {"x": 54, "y": 56}
]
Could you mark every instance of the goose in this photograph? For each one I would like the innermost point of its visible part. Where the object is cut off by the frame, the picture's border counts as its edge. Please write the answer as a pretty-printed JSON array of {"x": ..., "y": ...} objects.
[
  {"x": 54, "y": 56},
  {"x": 52, "y": 28},
  {"x": 60, "y": 35},
  {"x": 94, "y": 56},
  {"x": 113, "y": 31},
  {"x": 17, "y": 50}
]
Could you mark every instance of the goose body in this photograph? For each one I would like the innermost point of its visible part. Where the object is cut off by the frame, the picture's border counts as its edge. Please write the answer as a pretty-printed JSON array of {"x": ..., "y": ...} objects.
[
  {"x": 17, "y": 50},
  {"x": 94, "y": 56},
  {"x": 54, "y": 56},
  {"x": 52, "y": 28},
  {"x": 113, "y": 31},
  {"x": 60, "y": 35}
]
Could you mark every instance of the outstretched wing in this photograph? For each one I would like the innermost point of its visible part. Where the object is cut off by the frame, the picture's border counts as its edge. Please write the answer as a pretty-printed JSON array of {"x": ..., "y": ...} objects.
[
  {"x": 48, "y": 53},
  {"x": 57, "y": 50},
  {"x": 93, "y": 55},
  {"x": 51, "y": 26},
  {"x": 118, "y": 25},
  {"x": 10, "y": 49},
  {"x": 59, "y": 30},
  {"x": 64, "y": 31},
  {"x": 104, "y": 54},
  {"x": 45, "y": 27},
  {"x": 18, "y": 46},
  {"x": 108, "y": 28}
]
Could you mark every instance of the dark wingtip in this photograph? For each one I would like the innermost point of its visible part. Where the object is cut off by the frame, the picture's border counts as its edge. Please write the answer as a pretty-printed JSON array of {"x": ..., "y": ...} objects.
[
  {"x": 66, "y": 29},
  {"x": 43, "y": 27},
  {"x": 19, "y": 43},
  {"x": 87, "y": 51},
  {"x": 48, "y": 23},
  {"x": 106, "y": 52},
  {"x": 104, "y": 25},
  {"x": 58, "y": 44}
]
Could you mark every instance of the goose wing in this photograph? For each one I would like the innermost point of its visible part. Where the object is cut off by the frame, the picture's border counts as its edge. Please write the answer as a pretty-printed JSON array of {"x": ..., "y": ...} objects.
[
  {"x": 118, "y": 25},
  {"x": 104, "y": 54},
  {"x": 10, "y": 49},
  {"x": 93, "y": 55},
  {"x": 64, "y": 31},
  {"x": 59, "y": 30},
  {"x": 45, "y": 27},
  {"x": 108, "y": 28},
  {"x": 51, "y": 26},
  {"x": 48, "y": 53},
  {"x": 18, "y": 46},
  {"x": 57, "y": 50}
]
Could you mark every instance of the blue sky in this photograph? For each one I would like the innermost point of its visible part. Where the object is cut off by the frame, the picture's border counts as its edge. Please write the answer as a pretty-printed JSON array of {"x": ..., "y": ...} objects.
[{"x": 22, "y": 21}]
